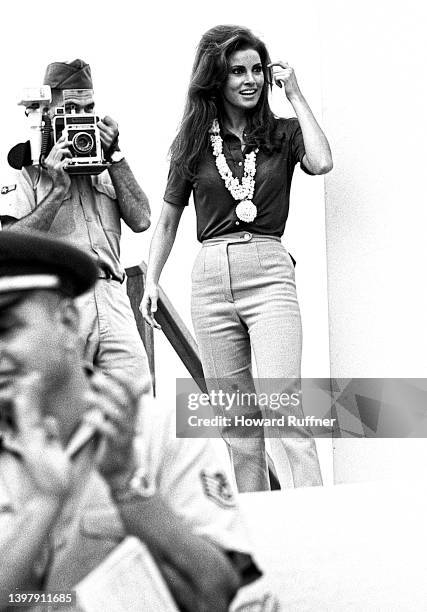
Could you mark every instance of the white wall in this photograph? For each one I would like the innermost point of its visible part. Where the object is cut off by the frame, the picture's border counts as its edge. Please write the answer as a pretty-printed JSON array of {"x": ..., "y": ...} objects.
[{"x": 374, "y": 95}]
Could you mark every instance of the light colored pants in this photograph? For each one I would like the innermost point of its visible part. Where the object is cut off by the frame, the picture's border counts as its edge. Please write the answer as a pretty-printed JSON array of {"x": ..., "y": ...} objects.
[
  {"x": 244, "y": 298},
  {"x": 110, "y": 338}
]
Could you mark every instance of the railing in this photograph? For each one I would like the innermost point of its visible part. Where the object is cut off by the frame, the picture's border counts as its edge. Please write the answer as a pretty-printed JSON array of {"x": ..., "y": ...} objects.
[{"x": 172, "y": 325}]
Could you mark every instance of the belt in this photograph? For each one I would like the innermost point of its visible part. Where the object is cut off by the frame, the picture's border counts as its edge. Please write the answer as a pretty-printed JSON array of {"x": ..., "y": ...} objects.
[
  {"x": 107, "y": 275},
  {"x": 239, "y": 237}
]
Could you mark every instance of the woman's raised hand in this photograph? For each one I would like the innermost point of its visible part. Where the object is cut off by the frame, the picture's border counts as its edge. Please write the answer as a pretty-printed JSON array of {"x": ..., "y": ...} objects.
[
  {"x": 284, "y": 76},
  {"x": 148, "y": 306}
]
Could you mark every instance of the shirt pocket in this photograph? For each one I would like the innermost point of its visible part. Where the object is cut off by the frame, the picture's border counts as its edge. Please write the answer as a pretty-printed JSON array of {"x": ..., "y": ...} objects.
[
  {"x": 99, "y": 532},
  {"x": 107, "y": 206},
  {"x": 105, "y": 188}
]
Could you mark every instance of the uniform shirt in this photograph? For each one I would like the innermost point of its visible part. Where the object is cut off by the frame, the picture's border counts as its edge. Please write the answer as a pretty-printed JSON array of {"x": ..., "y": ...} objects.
[
  {"x": 10, "y": 192},
  {"x": 12, "y": 495},
  {"x": 193, "y": 479},
  {"x": 188, "y": 474},
  {"x": 191, "y": 476},
  {"x": 89, "y": 216},
  {"x": 215, "y": 206},
  {"x": 86, "y": 531}
]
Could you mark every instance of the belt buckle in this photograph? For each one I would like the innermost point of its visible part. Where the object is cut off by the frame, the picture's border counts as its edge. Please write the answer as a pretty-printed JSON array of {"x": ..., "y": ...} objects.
[{"x": 105, "y": 274}]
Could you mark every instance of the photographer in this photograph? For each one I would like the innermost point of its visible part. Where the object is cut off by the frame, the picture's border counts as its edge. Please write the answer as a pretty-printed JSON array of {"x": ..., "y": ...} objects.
[
  {"x": 59, "y": 518},
  {"x": 87, "y": 210}
]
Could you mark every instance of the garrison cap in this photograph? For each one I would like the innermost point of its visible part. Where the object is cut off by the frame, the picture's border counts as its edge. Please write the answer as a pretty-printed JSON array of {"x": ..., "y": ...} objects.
[
  {"x": 32, "y": 261},
  {"x": 68, "y": 75}
]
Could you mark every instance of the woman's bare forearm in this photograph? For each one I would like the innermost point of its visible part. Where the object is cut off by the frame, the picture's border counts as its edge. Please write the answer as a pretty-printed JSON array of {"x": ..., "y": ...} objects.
[
  {"x": 162, "y": 241},
  {"x": 318, "y": 156}
]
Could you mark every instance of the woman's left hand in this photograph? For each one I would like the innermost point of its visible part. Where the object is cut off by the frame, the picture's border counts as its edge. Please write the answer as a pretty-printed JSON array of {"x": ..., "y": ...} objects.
[{"x": 284, "y": 76}]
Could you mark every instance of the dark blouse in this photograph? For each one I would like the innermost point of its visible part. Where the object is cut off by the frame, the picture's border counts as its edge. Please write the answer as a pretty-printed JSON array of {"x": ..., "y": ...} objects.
[{"x": 215, "y": 206}]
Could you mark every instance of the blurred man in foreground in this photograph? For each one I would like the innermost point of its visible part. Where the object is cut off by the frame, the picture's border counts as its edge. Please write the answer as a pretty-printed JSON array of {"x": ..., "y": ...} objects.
[{"x": 50, "y": 498}]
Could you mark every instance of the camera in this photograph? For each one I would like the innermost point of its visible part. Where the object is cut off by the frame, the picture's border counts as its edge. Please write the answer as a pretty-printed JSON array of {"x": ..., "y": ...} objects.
[
  {"x": 80, "y": 129},
  {"x": 82, "y": 132}
]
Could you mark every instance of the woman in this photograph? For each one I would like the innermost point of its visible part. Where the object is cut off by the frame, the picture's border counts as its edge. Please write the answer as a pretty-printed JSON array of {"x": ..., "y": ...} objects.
[{"x": 237, "y": 160}]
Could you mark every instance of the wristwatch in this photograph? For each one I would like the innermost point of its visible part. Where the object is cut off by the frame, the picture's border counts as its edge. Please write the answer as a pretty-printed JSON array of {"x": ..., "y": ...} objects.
[{"x": 116, "y": 156}]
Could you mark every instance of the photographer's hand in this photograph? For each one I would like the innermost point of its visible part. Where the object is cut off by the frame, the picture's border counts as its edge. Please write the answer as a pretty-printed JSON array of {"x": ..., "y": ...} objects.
[
  {"x": 46, "y": 209},
  {"x": 56, "y": 162},
  {"x": 109, "y": 132},
  {"x": 133, "y": 203}
]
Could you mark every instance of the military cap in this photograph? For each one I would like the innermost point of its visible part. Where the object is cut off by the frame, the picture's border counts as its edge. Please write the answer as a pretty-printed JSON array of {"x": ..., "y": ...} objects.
[
  {"x": 68, "y": 75},
  {"x": 31, "y": 261}
]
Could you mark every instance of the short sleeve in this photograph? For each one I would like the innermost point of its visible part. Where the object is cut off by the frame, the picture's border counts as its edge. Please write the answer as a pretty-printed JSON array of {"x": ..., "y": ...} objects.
[
  {"x": 178, "y": 188},
  {"x": 17, "y": 196},
  {"x": 297, "y": 145},
  {"x": 192, "y": 477}
]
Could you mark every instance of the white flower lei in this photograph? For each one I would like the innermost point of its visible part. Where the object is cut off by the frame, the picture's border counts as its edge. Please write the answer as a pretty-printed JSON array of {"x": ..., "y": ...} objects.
[{"x": 242, "y": 191}]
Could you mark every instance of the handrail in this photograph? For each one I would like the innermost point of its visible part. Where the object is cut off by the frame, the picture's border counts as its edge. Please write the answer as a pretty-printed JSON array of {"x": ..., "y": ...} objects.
[{"x": 172, "y": 325}]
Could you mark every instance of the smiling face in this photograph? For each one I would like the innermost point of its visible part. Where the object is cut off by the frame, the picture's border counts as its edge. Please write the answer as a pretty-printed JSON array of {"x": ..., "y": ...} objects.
[
  {"x": 34, "y": 336},
  {"x": 245, "y": 81}
]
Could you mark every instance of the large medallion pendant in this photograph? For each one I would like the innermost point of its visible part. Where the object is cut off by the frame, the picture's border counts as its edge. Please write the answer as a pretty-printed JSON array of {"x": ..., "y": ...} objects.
[{"x": 246, "y": 211}]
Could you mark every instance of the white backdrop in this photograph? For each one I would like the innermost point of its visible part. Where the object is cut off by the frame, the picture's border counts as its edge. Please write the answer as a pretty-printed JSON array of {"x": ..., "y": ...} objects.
[{"x": 375, "y": 103}]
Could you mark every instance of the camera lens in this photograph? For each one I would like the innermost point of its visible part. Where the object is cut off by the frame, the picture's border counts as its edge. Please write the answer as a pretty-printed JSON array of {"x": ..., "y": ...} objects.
[{"x": 83, "y": 142}]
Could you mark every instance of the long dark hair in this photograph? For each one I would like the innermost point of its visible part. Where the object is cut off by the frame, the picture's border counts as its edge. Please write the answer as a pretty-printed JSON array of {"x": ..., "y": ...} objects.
[{"x": 204, "y": 99}]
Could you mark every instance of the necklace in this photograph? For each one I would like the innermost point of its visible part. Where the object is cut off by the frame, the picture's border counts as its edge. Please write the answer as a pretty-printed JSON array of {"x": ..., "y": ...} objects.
[{"x": 244, "y": 191}]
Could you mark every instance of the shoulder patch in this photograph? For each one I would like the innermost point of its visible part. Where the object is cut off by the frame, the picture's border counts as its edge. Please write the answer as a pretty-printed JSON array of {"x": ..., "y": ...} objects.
[
  {"x": 7, "y": 189},
  {"x": 218, "y": 489}
]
